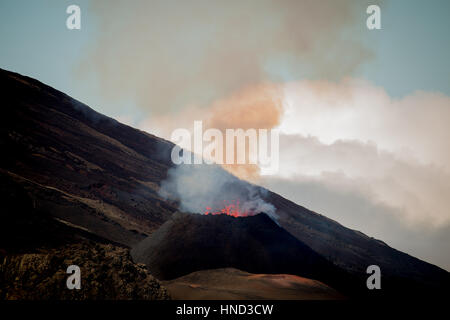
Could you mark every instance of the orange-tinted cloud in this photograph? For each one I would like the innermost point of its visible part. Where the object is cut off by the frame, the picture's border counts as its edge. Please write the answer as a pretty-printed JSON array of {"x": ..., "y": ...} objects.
[{"x": 256, "y": 107}]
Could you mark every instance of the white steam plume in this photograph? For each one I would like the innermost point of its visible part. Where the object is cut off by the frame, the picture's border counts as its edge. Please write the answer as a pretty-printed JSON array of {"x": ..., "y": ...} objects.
[{"x": 197, "y": 187}]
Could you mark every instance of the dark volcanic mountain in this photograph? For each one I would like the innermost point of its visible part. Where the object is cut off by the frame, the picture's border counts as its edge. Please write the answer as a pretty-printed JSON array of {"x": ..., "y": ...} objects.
[
  {"x": 83, "y": 167},
  {"x": 71, "y": 175},
  {"x": 194, "y": 242}
]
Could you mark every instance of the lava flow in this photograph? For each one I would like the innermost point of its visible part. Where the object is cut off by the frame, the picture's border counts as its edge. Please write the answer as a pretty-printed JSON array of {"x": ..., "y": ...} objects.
[{"x": 230, "y": 209}]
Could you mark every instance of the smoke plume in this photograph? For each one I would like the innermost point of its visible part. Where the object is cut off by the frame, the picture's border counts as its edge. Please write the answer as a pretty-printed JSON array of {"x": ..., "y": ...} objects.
[
  {"x": 198, "y": 187},
  {"x": 253, "y": 107},
  {"x": 166, "y": 55}
]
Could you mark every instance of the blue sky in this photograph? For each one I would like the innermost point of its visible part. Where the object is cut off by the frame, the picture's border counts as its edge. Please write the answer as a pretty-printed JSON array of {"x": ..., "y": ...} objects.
[
  {"x": 411, "y": 50},
  {"x": 35, "y": 41}
]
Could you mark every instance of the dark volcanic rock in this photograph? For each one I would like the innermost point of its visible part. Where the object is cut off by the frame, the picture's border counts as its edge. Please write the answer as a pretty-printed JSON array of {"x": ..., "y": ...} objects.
[
  {"x": 36, "y": 249},
  {"x": 107, "y": 272}
]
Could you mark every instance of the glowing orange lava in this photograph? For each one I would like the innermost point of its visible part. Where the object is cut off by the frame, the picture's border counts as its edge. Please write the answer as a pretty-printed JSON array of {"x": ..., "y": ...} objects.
[{"x": 230, "y": 208}]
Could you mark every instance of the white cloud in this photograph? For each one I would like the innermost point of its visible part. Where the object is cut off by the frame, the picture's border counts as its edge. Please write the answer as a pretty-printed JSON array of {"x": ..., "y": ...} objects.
[{"x": 414, "y": 126}]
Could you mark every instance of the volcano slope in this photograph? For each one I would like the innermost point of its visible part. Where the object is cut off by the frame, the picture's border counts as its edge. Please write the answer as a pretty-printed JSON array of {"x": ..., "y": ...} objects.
[
  {"x": 98, "y": 178},
  {"x": 83, "y": 167}
]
